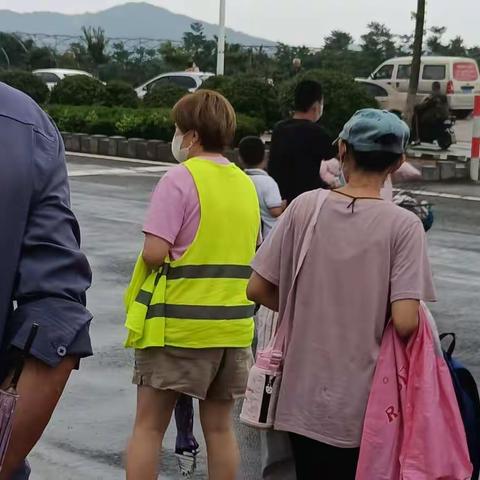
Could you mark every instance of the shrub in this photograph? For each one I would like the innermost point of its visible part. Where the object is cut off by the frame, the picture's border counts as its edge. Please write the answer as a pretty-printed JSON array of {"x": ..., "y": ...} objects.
[
  {"x": 220, "y": 83},
  {"x": 79, "y": 90},
  {"x": 164, "y": 96},
  {"x": 146, "y": 123},
  {"x": 343, "y": 97},
  {"x": 249, "y": 95},
  {"x": 27, "y": 83},
  {"x": 247, "y": 126},
  {"x": 120, "y": 94}
]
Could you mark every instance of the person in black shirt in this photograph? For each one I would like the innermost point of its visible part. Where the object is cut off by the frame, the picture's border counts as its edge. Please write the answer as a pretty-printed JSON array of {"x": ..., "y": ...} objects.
[
  {"x": 430, "y": 115},
  {"x": 299, "y": 144}
]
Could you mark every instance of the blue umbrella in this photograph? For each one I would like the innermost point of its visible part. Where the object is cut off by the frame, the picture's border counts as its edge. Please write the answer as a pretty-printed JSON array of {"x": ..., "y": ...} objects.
[{"x": 9, "y": 397}]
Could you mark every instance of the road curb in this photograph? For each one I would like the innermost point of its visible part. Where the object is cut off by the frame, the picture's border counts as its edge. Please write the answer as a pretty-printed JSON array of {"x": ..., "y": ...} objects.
[
  {"x": 434, "y": 166},
  {"x": 122, "y": 147},
  {"x": 441, "y": 165}
]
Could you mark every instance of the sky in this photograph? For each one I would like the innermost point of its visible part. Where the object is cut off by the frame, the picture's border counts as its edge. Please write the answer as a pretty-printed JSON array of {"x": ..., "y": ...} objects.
[{"x": 298, "y": 22}]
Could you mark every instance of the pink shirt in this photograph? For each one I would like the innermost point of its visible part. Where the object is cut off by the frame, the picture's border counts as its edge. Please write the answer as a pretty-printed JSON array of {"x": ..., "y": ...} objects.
[
  {"x": 330, "y": 174},
  {"x": 358, "y": 263},
  {"x": 174, "y": 211}
]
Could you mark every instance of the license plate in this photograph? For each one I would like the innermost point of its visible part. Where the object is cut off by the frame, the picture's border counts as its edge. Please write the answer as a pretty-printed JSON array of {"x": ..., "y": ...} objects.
[{"x": 467, "y": 89}]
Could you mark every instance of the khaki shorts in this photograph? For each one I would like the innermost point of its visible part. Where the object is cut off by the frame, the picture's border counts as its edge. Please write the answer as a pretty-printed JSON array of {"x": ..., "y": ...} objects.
[{"x": 209, "y": 373}]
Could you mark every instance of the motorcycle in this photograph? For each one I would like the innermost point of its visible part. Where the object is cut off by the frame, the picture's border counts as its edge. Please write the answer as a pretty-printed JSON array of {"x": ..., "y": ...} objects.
[{"x": 440, "y": 132}]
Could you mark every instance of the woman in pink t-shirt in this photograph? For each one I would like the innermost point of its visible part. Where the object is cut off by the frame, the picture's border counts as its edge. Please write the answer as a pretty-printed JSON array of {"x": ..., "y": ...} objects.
[{"x": 367, "y": 260}]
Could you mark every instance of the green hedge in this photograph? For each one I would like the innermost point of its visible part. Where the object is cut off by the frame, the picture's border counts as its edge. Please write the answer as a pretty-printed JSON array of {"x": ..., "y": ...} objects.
[
  {"x": 79, "y": 90},
  {"x": 27, "y": 83},
  {"x": 128, "y": 122},
  {"x": 343, "y": 97},
  {"x": 249, "y": 95},
  {"x": 121, "y": 94},
  {"x": 165, "y": 96}
]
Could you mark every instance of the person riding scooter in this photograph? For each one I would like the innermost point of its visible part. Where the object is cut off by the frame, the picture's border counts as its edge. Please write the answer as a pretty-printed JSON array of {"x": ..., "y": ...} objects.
[{"x": 431, "y": 118}]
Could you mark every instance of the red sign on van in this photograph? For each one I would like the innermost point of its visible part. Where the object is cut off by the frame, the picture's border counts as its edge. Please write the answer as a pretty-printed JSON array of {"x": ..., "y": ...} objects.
[{"x": 465, "y": 72}]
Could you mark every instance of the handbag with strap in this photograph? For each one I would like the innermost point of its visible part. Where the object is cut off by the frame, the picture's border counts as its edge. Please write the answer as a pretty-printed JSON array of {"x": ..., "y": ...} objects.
[{"x": 265, "y": 376}]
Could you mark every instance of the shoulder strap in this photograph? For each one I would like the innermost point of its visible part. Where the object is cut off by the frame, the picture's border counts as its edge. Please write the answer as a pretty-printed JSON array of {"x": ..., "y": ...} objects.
[
  {"x": 285, "y": 323},
  {"x": 451, "y": 347}
]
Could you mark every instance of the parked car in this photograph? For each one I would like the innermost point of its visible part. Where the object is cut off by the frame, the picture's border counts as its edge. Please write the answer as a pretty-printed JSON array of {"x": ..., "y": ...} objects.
[
  {"x": 387, "y": 97},
  {"x": 458, "y": 76},
  {"x": 190, "y": 81},
  {"x": 51, "y": 76}
]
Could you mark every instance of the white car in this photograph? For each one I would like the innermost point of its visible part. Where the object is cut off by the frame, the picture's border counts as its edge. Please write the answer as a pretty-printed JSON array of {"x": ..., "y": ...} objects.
[
  {"x": 190, "y": 81},
  {"x": 51, "y": 76},
  {"x": 387, "y": 97},
  {"x": 458, "y": 77}
]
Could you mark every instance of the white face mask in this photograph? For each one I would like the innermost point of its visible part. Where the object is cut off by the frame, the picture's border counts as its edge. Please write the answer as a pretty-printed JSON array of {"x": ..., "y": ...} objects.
[{"x": 180, "y": 154}]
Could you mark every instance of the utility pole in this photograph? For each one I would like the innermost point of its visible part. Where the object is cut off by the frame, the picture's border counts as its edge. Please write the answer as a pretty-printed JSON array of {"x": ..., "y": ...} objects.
[
  {"x": 416, "y": 61},
  {"x": 221, "y": 40}
]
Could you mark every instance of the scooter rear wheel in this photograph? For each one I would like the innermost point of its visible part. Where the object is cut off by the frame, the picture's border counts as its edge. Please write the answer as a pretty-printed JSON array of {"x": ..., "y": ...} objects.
[{"x": 445, "y": 141}]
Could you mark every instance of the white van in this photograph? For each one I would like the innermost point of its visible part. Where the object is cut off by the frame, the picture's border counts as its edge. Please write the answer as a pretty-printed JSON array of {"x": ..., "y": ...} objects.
[{"x": 458, "y": 76}]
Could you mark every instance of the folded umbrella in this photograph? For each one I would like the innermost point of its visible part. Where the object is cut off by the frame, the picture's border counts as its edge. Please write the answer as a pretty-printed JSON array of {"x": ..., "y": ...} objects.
[{"x": 9, "y": 397}]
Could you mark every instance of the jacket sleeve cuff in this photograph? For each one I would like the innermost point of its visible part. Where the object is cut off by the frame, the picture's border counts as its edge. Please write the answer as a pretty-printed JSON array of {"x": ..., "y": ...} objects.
[{"x": 63, "y": 329}]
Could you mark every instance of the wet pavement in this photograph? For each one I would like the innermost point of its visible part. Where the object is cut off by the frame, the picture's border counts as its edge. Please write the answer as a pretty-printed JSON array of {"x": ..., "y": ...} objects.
[{"x": 88, "y": 433}]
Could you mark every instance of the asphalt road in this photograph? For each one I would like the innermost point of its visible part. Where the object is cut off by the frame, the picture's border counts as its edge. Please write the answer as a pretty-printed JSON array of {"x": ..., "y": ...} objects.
[{"x": 88, "y": 433}]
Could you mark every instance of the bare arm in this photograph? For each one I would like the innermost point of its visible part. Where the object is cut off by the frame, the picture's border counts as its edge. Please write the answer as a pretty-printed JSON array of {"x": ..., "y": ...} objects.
[
  {"x": 277, "y": 211},
  {"x": 263, "y": 292},
  {"x": 405, "y": 317},
  {"x": 155, "y": 250},
  {"x": 40, "y": 388}
]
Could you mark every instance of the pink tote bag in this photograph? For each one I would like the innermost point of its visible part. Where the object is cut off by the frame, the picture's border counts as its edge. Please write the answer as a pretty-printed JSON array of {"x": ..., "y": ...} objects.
[{"x": 413, "y": 428}]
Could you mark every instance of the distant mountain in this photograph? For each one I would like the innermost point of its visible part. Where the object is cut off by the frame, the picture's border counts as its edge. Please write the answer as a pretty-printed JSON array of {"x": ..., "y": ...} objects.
[{"x": 131, "y": 20}]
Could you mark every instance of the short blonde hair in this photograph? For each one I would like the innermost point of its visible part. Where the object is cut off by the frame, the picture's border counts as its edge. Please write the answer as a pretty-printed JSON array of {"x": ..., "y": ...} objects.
[{"x": 211, "y": 115}]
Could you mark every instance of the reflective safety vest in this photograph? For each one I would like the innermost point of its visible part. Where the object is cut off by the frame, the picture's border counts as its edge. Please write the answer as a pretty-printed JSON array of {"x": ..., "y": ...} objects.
[{"x": 199, "y": 300}]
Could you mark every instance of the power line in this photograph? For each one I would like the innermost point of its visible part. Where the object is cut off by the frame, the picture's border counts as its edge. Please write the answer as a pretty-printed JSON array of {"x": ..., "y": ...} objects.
[{"x": 63, "y": 42}]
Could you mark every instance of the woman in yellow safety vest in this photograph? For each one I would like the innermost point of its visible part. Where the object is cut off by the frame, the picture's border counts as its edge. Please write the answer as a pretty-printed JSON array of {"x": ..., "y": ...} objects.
[{"x": 188, "y": 317}]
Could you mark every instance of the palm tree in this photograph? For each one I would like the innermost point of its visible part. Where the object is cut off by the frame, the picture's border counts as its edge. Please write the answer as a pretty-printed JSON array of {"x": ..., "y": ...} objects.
[{"x": 96, "y": 44}]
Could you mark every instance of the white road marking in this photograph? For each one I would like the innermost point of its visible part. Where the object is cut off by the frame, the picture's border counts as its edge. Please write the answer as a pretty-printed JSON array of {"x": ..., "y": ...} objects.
[
  {"x": 115, "y": 171},
  {"x": 116, "y": 159},
  {"x": 426, "y": 193},
  {"x": 157, "y": 167}
]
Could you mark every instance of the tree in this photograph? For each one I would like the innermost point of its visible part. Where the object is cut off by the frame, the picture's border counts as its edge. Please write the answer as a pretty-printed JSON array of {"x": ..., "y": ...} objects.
[
  {"x": 434, "y": 41},
  {"x": 96, "y": 44},
  {"x": 379, "y": 40},
  {"x": 201, "y": 50},
  {"x": 456, "y": 47},
  {"x": 405, "y": 46},
  {"x": 474, "y": 52},
  {"x": 14, "y": 51},
  {"x": 378, "y": 45},
  {"x": 41, "y": 58},
  {"x": 417, "y": 59},
  {"x": 175, "y": 57},
  {"x": 120, "y": 54},
  {"x": 284, "y": 56},
  {"x": 338, "y": 41},
  {"x": 80, "y": 56}
]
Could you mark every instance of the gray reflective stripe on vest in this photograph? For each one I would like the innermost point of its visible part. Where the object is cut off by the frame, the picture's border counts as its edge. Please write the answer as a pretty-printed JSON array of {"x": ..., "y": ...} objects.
[
  {"x": 200, "y": 312},
  {"x": 209, "y": 271},
  {"x": 144, "y": 298}
]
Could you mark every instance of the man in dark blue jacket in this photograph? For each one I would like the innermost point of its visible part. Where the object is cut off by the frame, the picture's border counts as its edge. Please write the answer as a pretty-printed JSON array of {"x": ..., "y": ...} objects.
[{"x": 43, "y": 274}]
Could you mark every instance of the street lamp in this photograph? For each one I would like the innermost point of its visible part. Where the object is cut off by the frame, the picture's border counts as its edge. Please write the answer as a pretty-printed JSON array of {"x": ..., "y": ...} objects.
[{"x": 221, "y": 40}]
